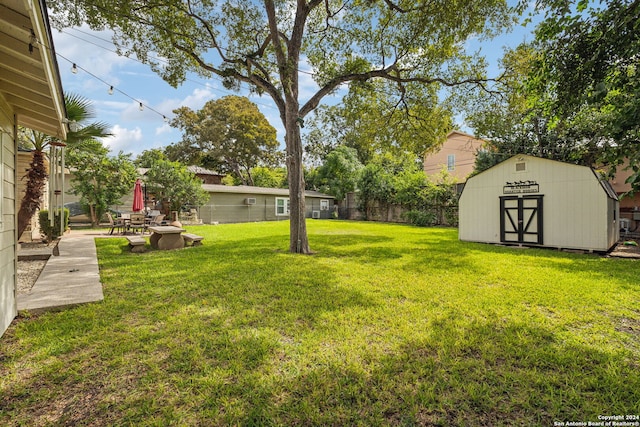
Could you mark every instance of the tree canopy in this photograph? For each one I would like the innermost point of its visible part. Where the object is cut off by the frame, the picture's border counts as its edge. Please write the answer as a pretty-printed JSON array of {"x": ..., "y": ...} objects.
[
  {"x": 148, "y": 157},
  {"x": 340, "y": 172},
  {"x": 229, "y": 135},
  {"x": 100, "y": 180},
  {"x": 573, "y": 94},
  {"x": 270, "y": 44},
  {"x": 591, "y": 61},
  {"x": 373, "y": 119},
  {"x": 79, "y": 111},
  {"x": 171, "y": 182}
]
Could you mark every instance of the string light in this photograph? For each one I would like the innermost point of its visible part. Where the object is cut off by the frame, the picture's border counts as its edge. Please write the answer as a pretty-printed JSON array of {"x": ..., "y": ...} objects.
[
  {"x": 214, "y": 77},
  {"x": 111, "y": 89}
]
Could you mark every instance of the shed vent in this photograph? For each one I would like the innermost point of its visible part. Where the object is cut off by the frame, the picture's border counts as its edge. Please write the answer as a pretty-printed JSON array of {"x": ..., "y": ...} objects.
[
  {"x": 250, "y": 201},
  {"x": 521, "y": 166}
]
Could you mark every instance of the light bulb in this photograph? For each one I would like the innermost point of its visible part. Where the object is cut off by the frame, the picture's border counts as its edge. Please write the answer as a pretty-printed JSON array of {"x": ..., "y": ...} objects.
[
  {"x": 165, "y": 119},
  {"x": 74, "y": 69},
  {"x": 141, "y": 107},
  {"x": 110, "y": 91}
]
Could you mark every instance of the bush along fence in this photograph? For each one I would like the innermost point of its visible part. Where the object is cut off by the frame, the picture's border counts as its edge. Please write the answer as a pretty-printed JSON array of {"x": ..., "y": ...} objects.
[
  {"x": 52, "y": 232},
  {"x": 430, "y": 211}
]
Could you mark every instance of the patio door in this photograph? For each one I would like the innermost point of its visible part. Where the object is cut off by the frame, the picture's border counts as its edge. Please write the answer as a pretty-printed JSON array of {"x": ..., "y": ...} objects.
[{"x": 521, "y": 219}]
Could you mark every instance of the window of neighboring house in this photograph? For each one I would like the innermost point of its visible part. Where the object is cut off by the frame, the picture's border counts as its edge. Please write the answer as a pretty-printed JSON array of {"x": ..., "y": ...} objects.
[
  {"x": 451, "y": 162},
  {"x": 282, "y": 206},
  {"x": 324, "y": 205}
]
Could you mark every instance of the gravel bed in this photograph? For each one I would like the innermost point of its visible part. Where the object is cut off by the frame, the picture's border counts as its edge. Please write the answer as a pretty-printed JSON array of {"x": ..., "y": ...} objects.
[{"x": 28, "y": 272}]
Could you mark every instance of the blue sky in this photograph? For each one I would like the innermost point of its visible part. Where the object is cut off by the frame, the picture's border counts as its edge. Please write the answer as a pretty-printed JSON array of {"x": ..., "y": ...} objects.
[{"x": 99, "y": 67}]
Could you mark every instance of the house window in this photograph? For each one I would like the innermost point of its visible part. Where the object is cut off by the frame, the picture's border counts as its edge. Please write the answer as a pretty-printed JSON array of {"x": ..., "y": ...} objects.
[
  {"x": 282, "y": 206},
  {"x": 451, "y": 162},
  {"x": 324, "y": 205}
]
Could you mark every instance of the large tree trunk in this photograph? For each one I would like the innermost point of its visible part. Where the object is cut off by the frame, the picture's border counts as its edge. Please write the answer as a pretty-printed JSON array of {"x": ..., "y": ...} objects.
[
  {"x": 36, "y": 179},
  {"x": 298, "y": 240}
]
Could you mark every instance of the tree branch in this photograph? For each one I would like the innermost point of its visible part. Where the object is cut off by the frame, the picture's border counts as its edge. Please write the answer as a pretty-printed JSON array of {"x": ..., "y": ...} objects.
[
  {"x": 252, "y": 78},
  {"x": 388, "y": 74}
]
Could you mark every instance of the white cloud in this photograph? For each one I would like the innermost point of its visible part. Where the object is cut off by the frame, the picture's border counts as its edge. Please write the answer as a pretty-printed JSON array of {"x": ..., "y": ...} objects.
[
  {"x": 91, "y": 51},
  {"x": 124, "y": 139},
  {"x": 165, "y": 128},
  {"x": 195, "y": 100}
]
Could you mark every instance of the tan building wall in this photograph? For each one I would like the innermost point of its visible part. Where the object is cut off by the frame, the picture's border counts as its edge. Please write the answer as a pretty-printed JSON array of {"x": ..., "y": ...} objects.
[{"x": 457, "y": 156}]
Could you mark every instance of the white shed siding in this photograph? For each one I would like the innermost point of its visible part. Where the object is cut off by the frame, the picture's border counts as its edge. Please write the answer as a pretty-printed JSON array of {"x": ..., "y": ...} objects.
[
  {"x": 8, "y": 308},
  {"x": 577, "y": 212}
]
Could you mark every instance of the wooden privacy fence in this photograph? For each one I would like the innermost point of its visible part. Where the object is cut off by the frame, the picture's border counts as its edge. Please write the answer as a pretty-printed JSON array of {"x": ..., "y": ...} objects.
[{"x": 435, "y": 215}]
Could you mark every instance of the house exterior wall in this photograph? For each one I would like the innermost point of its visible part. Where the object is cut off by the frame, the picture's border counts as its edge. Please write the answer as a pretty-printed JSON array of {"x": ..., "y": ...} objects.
[
  {"x": 228, "y": 204},
  {"x": 462, "y": 147},
  {"x": 577, "y": 212},
  {"x": 8, "y": 248},
  {"x": 30, "y": 96}
]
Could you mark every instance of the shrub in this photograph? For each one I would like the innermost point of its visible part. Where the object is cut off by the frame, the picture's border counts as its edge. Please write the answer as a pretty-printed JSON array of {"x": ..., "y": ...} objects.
[
  {"x": 52, "y": 232},
  {"x": 420, "y": 218}
]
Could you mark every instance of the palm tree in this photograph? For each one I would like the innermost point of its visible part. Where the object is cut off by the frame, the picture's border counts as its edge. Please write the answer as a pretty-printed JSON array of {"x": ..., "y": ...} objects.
[{"x": 80, "y": 111}]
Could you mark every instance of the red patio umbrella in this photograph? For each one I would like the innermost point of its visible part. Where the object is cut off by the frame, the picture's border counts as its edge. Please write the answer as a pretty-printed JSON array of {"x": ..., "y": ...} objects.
[{"x": 138, "y": 202}]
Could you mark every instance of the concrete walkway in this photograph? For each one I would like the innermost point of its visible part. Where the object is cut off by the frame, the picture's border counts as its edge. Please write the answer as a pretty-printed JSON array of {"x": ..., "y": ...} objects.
[{"x": 68, "y": 279}]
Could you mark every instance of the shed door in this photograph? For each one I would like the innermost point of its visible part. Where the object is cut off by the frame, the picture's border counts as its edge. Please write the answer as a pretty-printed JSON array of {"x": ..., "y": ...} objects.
[{"x": 521, "y": 219}]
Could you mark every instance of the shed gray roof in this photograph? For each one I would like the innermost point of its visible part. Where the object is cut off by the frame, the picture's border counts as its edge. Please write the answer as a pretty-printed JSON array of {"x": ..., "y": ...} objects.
[{"x": 247, "y": 189}]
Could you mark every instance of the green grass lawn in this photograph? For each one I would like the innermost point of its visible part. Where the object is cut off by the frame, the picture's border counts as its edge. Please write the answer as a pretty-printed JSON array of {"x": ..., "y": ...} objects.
[{"x": 384, "y": 325}]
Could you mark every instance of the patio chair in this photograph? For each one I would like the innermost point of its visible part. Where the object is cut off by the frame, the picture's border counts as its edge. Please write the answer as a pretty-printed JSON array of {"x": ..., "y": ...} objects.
[
  {"x": 115, "y": 224},
  {"x": 157, "y": 220},
  {"x": 136, "y": 222}
]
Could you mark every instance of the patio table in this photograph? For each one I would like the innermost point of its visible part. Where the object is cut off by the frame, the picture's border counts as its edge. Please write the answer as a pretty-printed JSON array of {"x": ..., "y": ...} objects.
[{"x": 166, "y": 237}]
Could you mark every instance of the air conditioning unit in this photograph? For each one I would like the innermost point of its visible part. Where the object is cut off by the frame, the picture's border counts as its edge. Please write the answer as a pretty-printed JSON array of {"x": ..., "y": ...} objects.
[
  {"x": 250, "y": 201},
  {"x": 315, "y": 214},
  {"x": 624, "y": 225}
]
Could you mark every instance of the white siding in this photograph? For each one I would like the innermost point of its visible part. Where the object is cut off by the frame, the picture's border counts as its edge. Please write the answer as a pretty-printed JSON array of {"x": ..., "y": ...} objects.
[
  {"x": 7, "y": 224},
  {"x": 577, "y": 212}
]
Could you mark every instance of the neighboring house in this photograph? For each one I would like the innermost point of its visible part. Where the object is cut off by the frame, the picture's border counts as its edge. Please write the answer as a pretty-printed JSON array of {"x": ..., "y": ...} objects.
[
  {"x": 243, "y": 203},
  {"x": 72, "y": 201},
  {"x": 531, "y": 201},
  {"x": 207, "y": 176},
  {"x": 30, "y": 96},
  {"x": 230, "y": 203},
  {"x": 629, "y": 204},
  {"x": 457, "y": 156}
]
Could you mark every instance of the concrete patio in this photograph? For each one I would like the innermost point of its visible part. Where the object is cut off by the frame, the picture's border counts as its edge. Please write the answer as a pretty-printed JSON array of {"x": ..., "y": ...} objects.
[{"x": 68, "y": 279}]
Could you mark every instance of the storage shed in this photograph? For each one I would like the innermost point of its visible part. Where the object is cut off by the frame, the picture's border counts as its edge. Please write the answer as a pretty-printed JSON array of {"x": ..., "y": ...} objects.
[{"x": 531, "y": 201}]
